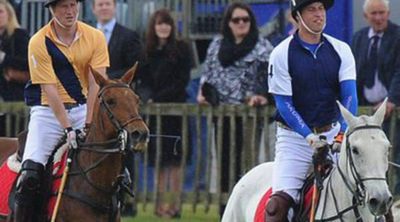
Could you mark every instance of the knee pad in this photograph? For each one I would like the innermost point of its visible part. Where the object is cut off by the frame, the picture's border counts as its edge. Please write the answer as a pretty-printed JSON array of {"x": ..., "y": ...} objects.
[
  {"x": 278, "y": 207},
  {"x": 29, "y": 182}
]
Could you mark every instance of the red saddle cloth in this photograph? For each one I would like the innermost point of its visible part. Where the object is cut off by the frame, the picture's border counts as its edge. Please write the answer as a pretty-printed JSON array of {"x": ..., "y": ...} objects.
[
  {"x": 8, "y": 177},
  {"x": 260, "y": 211}
]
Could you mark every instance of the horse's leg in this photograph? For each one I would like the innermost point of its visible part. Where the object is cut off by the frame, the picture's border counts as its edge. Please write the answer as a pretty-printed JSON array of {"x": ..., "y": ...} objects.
[{"x": 7, "y": 147}]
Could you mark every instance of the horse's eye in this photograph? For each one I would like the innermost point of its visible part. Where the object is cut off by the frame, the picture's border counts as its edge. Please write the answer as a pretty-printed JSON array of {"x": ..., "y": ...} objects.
[
  {"x": 355, "y": 150},
  {"x": 111, "y": 102}
]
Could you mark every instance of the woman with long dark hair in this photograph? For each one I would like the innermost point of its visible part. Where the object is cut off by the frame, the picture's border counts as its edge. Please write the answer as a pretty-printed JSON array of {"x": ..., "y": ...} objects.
[
  {"x": 166, "y": 73},
  {"x": 236, "y": 69}
]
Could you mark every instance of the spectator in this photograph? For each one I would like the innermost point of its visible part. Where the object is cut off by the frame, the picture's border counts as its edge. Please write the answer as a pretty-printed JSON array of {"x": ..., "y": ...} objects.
[
  {"x": 308, "y": 72},
  {"x": 377, "y": 52},
  {"x": 61, "y": 93},
  {"x": 13, "y": 59},
  {"x": 166, "y": 73},
  {"x": 124, "y": 45},
  {"x": 13, "y": 55},
  {"x": 236, "y": 67}
]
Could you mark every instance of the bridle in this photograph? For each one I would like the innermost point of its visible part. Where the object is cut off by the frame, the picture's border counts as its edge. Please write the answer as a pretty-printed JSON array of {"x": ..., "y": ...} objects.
[
  {"x": 359, "y": 192},
  {"x": 111, "y": 146}
]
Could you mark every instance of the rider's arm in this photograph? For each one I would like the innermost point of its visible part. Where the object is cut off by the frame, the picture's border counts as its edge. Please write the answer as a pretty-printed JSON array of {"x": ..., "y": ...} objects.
[
  {"x": 284, "y": 104},
  {"x": 99, "y": 62},
  {"x": 56, "y": 104},
  {"x": 348, "y": 98},
  {"x": 347, "y": 83},
  {"x": 92, "y": 93}
]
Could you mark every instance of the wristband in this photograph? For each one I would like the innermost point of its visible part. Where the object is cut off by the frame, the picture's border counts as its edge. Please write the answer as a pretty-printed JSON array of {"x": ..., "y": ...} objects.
[{"x": 68, "y": 129}]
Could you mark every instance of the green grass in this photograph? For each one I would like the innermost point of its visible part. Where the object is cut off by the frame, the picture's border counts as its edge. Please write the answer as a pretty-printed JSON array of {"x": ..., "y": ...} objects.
[{"x": 187, "y": 216}]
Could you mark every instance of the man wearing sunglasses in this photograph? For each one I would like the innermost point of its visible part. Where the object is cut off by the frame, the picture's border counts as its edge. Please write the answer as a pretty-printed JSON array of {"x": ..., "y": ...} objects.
[{"x": 308, "y": 72}]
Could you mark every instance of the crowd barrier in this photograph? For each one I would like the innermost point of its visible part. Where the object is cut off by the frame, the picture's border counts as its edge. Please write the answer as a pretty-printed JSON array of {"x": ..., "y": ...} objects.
[{"x": 200, "y": 177}]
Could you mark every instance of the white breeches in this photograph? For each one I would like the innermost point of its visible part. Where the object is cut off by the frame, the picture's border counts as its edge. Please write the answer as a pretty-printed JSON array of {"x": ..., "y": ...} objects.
[
  {"x": 293, "y": 159},
  {"x": 45, "y": 131}
]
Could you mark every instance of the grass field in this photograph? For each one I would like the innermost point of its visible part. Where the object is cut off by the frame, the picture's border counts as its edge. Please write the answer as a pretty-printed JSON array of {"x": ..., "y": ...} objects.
[{"x": 187, "y": 215}]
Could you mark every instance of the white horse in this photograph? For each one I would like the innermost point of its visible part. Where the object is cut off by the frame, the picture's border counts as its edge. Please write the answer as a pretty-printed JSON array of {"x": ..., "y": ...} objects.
[{"x": 356, "y": 186}]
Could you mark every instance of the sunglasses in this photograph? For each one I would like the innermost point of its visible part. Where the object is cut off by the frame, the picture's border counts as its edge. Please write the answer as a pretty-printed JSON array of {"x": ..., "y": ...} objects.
[{"x": 237, "y": 20}]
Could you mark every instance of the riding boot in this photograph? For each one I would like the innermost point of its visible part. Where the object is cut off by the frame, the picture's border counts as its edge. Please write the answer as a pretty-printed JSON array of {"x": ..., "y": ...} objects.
[
  {"x": 278, "y": 207},
  {"x": 28, "y": 198}
]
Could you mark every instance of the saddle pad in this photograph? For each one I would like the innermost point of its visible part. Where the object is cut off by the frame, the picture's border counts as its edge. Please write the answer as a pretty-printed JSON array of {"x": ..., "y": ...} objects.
[
  {"x": 260, "y": 211},
  {"x": 6, "y": 182}
]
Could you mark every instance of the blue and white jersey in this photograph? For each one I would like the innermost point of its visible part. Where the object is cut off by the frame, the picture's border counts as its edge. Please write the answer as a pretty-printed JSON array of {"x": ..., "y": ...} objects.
[{"x": 312, "y": 79}]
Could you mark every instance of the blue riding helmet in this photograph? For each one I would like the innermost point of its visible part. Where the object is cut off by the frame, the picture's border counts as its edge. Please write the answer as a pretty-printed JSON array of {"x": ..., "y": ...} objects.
[
  {"x": 298, "y": 5},
  {"x": 52, "y": 2}
]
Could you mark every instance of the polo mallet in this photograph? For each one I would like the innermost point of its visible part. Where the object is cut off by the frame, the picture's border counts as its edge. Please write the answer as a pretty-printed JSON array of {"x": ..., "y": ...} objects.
[
  {"x": 74, "y": 146},
  {"x": 320, "y": 166}
]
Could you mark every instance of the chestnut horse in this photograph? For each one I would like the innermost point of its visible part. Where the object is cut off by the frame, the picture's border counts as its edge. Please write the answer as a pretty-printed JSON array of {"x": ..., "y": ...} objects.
[{"x": 95, "y": 171}]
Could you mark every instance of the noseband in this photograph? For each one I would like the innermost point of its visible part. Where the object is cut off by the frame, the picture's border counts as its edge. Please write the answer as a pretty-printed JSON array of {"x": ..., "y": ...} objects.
[{"x": 359, "y": 192}]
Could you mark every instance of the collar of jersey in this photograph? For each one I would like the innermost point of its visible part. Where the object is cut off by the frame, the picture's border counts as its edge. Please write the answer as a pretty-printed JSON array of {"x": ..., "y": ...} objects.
[{"x": 52, "y": 35}]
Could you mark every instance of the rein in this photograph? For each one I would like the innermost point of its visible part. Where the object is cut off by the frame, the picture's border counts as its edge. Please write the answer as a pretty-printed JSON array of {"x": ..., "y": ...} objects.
[
  {"x": 359, "y": 193},
  {"x": 111, "y": 146}
]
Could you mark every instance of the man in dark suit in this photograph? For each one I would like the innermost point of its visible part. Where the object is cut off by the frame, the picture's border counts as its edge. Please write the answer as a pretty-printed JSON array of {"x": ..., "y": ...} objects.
[
  {"x": 124, "y": 45},
  {"x": 376, "y": 49}
]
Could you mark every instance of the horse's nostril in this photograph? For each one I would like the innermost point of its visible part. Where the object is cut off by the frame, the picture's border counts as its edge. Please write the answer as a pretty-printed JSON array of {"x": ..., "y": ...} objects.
[
  {"x": 140, "y": 136},
  {"x": 373, "y": 203},
  {"x": 390, "y": 201},
  {"x": 135, "y": 135}
]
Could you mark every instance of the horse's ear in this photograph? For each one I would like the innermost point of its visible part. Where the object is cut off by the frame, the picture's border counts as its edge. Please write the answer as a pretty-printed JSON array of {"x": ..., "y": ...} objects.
[
  {"x": 100, "y": 80},
  {"x": 130, "y": 74},
  {"x": 379, "y": 115},
  {"x": 347, "y": 115}
]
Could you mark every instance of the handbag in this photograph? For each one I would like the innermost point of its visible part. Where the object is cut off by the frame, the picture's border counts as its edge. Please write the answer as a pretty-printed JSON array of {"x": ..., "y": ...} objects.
[{"x": 210, "y": 93}]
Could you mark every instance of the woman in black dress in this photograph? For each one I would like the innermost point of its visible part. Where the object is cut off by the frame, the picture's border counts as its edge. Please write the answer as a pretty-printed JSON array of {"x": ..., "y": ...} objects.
[{"x": 165, "y": 74}]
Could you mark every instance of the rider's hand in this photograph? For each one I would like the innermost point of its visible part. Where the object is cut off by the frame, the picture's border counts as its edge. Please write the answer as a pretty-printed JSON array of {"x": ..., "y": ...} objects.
[
  {"x": 316, "y": 141},
  {"x": 71, "y": 137},
  {"x": 337, "y": 143}
]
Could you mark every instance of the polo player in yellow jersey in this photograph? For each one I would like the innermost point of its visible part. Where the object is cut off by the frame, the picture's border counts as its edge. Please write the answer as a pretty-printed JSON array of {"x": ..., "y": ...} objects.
[{"x": 61, "y": 94}]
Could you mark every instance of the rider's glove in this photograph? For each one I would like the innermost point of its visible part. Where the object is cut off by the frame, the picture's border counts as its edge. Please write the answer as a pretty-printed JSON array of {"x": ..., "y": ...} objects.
[
  {"x": 337, "y": 143},
  {"x": 316, "y": 141},
  {"x": 71, "y": 137}
]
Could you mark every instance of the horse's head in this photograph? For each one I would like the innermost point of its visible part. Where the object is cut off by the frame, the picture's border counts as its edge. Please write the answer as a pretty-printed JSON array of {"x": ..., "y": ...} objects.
[
  {"x": 118, "y": 107},
  {"x": 364, "y": 158}
]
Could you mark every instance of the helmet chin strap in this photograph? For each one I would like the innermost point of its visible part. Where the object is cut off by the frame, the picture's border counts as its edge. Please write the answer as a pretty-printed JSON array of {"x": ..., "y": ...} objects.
[
  {"x": 58, "y": 21},
  {"x": 308, "y": 28}
]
